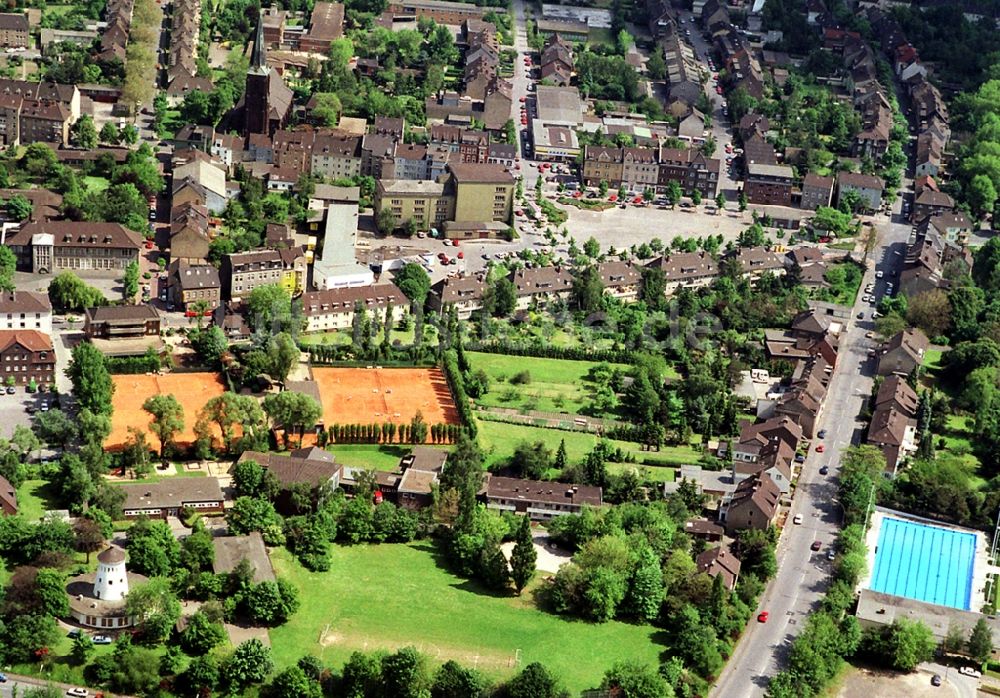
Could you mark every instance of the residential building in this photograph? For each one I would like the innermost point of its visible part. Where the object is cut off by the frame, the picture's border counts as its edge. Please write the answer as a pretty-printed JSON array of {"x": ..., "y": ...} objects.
[
  {"x": 752, "y": 505},
  {"x": 686, "y": 270},
  {"x": 719, "y": 562},
  {"x": 14, "y": 32},
  {"x": 893, "y": 427},
  {"x": 541, "y": 285},
  {"x": 756, "y": 261},
  {"x": 190, "y": 283},
  {"x": 421, "y": 470},
  {"x": 333, "y": 309},
  {"x": 25, "y": 310},
  {"x": 26, "y": 356},
  {"x": 206, "y": 174},
  {"x": 121, "y": 321},
  {"x": 482, "y": 192},
  {"x": 540, "y": 501},
  {"x": 189, "y": 238},
  {"x": 8, "y": 498},
  {"x": 313, "y": 467},
  {"x": 868, "y": 187},
  {"x": 426, "y": 202},
  {"x": 816, "y": 191},
  {"x": 47, "y": 247},
  {"x": 621, "y": 280},
  {"x": 336, "y": 156},
  {"x": 903, "y": 353},
  {"x": 159, "y": 500},
  {"x": 690, "y": 168},
  {"x": 929, "y": 203},
  {"x": 804, "y": 401},
  {"x": 602, "y": 164},
  {"x": 294, "y": 269},
  {"x": 464, "y": 293},
  {"x": 769, "y": 185},
  {"x": 242, "y": 272}
]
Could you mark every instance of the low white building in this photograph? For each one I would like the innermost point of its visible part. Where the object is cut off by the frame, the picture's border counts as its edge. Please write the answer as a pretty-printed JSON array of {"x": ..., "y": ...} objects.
[
  {"x": 337, "y": 266},
  {"x": 25, "y": 310}
]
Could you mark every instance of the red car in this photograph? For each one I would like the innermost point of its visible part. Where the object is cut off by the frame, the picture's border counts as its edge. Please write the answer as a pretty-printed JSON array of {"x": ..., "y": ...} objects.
[
  {"x": 762, "y": 617},
  {"x": 816, "y": 545},
  {"x": 523, "y": 99},
  {"x": 820, "y": 448},
  {"x": 613, "y": 197}
]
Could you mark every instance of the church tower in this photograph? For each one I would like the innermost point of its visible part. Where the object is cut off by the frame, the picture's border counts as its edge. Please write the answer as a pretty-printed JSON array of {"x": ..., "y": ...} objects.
[{"x": 256, "y": 102}]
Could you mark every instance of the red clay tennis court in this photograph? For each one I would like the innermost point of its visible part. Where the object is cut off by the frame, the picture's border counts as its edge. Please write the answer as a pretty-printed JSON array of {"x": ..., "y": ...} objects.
[
  {"x": 379, "y": 395},
  {"x": 192, "y": 390}
]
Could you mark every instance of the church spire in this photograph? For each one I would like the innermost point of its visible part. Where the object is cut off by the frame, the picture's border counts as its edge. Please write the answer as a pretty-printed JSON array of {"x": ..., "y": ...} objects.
[{"x": 258, "y": 57}]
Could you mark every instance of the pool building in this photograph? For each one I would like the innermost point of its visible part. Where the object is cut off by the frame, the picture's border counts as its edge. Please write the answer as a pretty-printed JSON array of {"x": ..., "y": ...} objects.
[{"x": 925, "y": 570}]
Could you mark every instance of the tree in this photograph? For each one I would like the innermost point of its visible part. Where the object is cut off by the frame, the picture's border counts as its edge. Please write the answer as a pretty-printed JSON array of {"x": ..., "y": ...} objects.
[
  {"x": 646, "y": 590},
  {"x": 250, "y": 663},
  {"x": 293, "y": 683},
  {"x": 250, "y": 514},
  {"x": 168, "y": 419},
  {"x": 92, "y": 383},
  {"x": 743, "y": 201},
  {"x": 630, "y": 679},
  {"x": 130, "y": 282},
  {"x": 592, "y": 248},
  {"x": 414, "y": 282},
  {"x": 210, "y": 344},
  {"x": 85, "y": 133},
  {"x": 109, "y": 133},
  {"x": 561, "y": 460},
  {"x": 230, "y": 409},
  {"x": 88, "y": 535},
  {"x": 523, "y": 557},
  {"x": 291, "y": 410},
  {"x": 674, "y": 193},
  {"x": 68, "y": 292},
  {"x": 197, "y": 549},
  {"x": 404, "y": 674},
  {"x": 269, "y": 308},
  {"x": 252, "y": 480},
  {"x": 8, "y": 262},
  {"x": 200, "y": 635},
  {"x": 981, "y": 642},
  {"x": 83, "y": 647},
  {"x": 271, "y": 603},
  {"x": 902, "y": 645},
  {"x": 930, "y": 311},
  {"x": 55, "y": 428},
  {"x": 452, "y": 680},
  {"x": 153, "y": 549},
  {"x": 201, "y": 675},
  {"x": 534, "y": 681},
  {"x": 283, "y": 354},
  {"x": 385, "y": 221},
  {"x": 501, "y": 297},
  {"x": 588, "y": 289},
  {"x": 155, "y": 608}
]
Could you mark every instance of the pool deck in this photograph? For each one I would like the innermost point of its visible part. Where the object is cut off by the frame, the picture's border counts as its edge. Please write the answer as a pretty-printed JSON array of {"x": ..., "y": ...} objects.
[{"x": 981, "y": 567}]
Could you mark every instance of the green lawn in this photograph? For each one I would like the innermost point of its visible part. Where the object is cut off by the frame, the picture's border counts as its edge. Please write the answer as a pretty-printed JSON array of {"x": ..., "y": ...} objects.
[
  {"x": 957, "y": 437},
  {"x": 498, "y": 440},
  {"x": 932, "y": 359},
  {"x": 370, "y": 456},
  {"x": 391, "y": 596},
  {"x": 339, "y": 338},
  {"x": 96, "y": 184},
  {"x": 34, "y": 498},
  {"x": 556, "y": 385}
]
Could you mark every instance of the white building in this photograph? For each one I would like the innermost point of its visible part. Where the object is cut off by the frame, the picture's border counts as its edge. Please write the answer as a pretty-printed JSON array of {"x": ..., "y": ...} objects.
[
  {"x": 337, "y": 266},
  {"x": 97, "y": 599},
  {"x": 25, "y": 310}
]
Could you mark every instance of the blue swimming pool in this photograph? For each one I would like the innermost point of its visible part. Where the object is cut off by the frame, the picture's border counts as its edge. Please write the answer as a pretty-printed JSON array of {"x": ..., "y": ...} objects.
[{"x": 923, "y": 562}]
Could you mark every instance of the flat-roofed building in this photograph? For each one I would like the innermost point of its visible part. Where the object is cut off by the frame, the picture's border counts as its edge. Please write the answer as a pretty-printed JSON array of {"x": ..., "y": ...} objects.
[
  {"x": 158, "y": 500},
  {"x": 537, "y": 499},
  {"x": 769, "y": 185},
  {"x": 440, "y": 11}
]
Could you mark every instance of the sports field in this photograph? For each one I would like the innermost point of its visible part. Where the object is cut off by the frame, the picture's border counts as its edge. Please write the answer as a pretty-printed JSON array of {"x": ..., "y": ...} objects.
[
  {"x": 391, "y": 596},
  {"x": 192, "y": 390},
  {"x": 379, "y": 395}
]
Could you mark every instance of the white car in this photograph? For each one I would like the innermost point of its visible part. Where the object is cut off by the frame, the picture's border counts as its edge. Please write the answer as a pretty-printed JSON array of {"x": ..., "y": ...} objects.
[
  {"x": 970, "y": 671},
  {"x": 866, "y": 298},
  {"x": 879, "y": 274},
  {"x": 797, "y": 519},
  {"x": 78, "y": 692}
]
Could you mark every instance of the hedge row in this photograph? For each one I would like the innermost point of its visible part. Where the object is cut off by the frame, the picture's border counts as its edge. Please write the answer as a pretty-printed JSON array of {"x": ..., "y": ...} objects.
[
  {"x": 147, "y": 363},
  {"x": 388, "y": 433},
  {"x": 617, "y": 356},
  {"x": 457, "y": 384}
]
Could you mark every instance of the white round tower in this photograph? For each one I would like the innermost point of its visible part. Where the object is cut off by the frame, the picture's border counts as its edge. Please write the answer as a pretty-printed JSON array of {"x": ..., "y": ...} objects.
[{"x": 111, "y": 582}]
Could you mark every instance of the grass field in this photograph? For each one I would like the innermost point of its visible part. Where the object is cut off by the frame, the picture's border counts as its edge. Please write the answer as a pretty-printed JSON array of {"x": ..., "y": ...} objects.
[
  {"x": 557, "y": 385},
  {"x": 340, "y": 338},
  {"x": 34, "y": 498},
  {"x": 391, "y": 596},
  {"x": 499, "y": 439},
  {"x": 370, "y": 456},
  {"x": 96, "y": 184},
  {"x": 932, "y": 359},
  {"x": 957, "y": 438}
]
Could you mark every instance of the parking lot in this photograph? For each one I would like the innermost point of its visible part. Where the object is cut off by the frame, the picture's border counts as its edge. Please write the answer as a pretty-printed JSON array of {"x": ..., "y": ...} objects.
[{"x": 17, "y": 409}]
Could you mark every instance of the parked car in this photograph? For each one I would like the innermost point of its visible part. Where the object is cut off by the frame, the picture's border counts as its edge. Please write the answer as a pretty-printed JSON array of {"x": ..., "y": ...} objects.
[
  {"x": 102, "y": 640},
  {"x": 3, "y": 678},
  {"x": 970, "y": 671},
  {"x": 10, "y": 390},
  {"x": 797, "y": 519},
  {"x": 936, "y": 680},
  {"x": 822, "y": 433},
  {"x": 824, "y": 470},
  {"x": 77, "y": 692},
  {"x": 820, "y": 448},
  {"x": 762, "y": 617},
  {"x": 816, "y": 545},
  {"x": 831, "y": 554}
]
